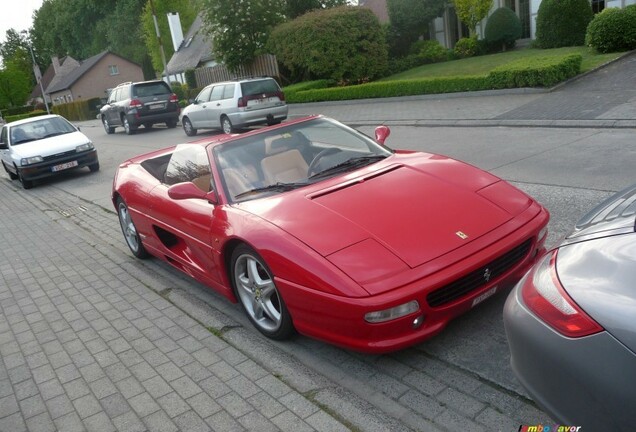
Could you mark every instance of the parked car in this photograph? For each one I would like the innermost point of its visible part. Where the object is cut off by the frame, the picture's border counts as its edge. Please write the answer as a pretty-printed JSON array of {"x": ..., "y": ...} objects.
[
  {"x": 233, "y": 105},
  {"x": 571, "y": 322},
  {"x": 315, "y": 227},
  {"x": 40, "y": 147},
  {"x": 146, "y": 103}
]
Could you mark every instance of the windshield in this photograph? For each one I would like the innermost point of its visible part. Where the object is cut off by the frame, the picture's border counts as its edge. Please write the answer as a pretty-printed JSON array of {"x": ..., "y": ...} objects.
[
  {"x": 40, "y": 129},
  {"x": 288, "y": 158}
]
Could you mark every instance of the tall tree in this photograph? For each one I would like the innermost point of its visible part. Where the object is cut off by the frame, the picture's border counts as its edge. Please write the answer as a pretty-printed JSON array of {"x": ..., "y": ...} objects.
[
  {"x": 471, "y": 12},
  {"x": 15, "y": 51},
  {"x": 187, "y": 10},
  {"x": 240, "y": 28},
  {"x": 15, "y": 86},
  {"x": 296, "y": 8},
  {"x": 409, "y": 20}
]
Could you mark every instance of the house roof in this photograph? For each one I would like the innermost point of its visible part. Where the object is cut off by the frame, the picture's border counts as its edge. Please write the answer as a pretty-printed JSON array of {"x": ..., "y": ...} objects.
[
  {"x": 68, "y": 79},
  {"x": 195, "y": 48},
  {"x": 67, "y": 64}
]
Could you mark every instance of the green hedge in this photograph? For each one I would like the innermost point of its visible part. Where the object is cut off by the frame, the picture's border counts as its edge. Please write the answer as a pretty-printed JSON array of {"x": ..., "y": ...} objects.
[
  {"x": 613, "y": 30},
  {"x": 11, "y": 118},
  {"x": 393, "y": 88},
  {"x": 78, "y": 110},
  {"x": 538, "y": 72},
  {"x": 543, "y": 72}
]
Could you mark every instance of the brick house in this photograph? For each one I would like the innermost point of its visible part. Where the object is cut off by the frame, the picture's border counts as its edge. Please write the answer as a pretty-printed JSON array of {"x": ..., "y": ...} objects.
[{"x": 90, "y": 78}]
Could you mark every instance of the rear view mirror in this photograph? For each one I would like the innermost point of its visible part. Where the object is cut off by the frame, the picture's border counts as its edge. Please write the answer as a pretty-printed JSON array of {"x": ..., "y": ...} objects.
[
  {"x": 382, "y": 133},
  {"x": 189, "y": 190}
]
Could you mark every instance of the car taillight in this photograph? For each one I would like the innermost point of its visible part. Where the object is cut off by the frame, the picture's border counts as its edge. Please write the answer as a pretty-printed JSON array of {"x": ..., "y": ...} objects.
[
  {"x": 173, "y": 98},
  {"x": 135, "y": 103},
  {"x": 242, "y": 102},
  {"x": 280, "y": 95},
  {"x": 544, "y": 295}
]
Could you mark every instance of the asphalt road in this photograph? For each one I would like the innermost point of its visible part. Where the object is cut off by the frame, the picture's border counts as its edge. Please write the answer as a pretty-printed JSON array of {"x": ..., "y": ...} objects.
[{"x": 567, "y": 170}]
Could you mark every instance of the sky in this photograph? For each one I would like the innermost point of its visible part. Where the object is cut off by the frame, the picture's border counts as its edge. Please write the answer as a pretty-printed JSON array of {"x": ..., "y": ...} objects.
[{"x": 17, "y": 14}]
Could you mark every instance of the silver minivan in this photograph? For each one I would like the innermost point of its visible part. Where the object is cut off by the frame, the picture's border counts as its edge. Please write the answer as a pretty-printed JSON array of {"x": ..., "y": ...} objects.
[{"x": 232, "y": 105}]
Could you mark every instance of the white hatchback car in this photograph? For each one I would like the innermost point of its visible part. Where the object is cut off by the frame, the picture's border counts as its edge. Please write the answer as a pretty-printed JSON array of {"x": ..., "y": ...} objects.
[
  {"x": 232, "y": 105},
  {"x": 40, "y": 147}
]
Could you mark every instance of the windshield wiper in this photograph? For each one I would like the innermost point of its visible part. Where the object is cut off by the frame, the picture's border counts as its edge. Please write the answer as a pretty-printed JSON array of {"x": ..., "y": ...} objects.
[
  {"x": 276, "y": 187},
  {"x": 53, "y": 134},
  {"x": 355, "y": 162},
  {"x": 23, "y": 141}
]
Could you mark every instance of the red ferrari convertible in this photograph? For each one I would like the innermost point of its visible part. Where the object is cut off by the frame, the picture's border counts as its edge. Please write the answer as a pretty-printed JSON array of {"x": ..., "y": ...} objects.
[{"x": 316, "y": 228}]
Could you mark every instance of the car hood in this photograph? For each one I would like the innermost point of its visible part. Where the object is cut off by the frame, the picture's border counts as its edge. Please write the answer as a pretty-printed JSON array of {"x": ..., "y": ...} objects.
[
  {"x": 615, "y": 215},
  {"x": 408, "y": 209},
  {"x": 599, "y": 275},
  {"x": 50, "y": 146}
]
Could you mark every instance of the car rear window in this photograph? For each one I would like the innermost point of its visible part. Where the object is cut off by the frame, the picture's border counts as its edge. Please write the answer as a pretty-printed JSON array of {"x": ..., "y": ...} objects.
[
  {"x": 151, "y": 89},
  {"x": 258, "y": 87}
]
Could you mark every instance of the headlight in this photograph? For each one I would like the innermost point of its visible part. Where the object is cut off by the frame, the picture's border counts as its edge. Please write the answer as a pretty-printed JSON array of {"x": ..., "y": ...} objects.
[
  {"x": 392, "y": 313},
  {"x": 84, "y": 147},
  {"x": 31, "y": 160}
]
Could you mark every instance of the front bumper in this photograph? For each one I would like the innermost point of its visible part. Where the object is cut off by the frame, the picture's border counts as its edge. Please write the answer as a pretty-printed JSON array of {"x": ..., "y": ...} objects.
[
  {"x": 45, "y": 169},
  {"x": 585, "y": 381},
  {"x": 340, "y": 320}
]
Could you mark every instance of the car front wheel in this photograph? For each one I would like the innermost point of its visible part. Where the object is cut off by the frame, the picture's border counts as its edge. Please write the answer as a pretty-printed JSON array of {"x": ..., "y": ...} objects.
[
  {"x": 130, "y": 230},
  {"x": 188, "y": 128},
  {"x": 255, "y": 288},
  {"x": 12, "y": 176},
  {"x": 27, "y": 184}
]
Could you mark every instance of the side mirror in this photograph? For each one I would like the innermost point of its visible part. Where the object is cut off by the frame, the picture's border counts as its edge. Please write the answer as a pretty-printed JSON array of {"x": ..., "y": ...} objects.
[
  {"x": 193, "y": 101},
  {"x": 188, "y": 190},
  {"x": 382, "y": 133}
]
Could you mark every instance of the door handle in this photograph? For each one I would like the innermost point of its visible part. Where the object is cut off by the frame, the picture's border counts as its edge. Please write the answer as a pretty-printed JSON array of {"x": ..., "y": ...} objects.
[{"x": 218, "y": 104}]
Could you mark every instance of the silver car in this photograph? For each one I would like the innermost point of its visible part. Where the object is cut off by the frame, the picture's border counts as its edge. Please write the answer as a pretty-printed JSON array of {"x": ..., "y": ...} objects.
[
  {"x": 571, "y": 322},
  {"x": 233, "y": 105}
]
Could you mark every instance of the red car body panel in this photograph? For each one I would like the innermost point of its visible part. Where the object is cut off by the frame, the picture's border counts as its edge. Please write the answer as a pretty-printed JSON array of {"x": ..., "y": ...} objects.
[{"x": 351, "y": 244}]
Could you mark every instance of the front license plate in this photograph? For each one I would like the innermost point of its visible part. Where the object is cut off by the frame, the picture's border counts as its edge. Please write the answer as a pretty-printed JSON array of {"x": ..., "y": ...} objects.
[
  {"x": 64, "y": 166},
  {"x": 484, "y": 296}
]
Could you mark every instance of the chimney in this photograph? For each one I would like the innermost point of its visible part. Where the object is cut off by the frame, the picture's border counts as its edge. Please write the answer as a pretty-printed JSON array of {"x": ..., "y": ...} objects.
[
  {"x": 56, "y": 64},
  {"x": 175, "y": 30}
]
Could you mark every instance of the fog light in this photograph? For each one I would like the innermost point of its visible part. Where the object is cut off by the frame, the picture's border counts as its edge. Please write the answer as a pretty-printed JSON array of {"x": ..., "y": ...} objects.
[
  {"x": 417, "y": 322},
  {"x": 392, "y": 313}
]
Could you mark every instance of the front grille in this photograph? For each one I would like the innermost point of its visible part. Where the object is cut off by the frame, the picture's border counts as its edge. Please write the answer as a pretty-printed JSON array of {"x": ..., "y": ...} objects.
[
  {"x": 59, "y": 155},
  {"x": 477, "y": 279}
]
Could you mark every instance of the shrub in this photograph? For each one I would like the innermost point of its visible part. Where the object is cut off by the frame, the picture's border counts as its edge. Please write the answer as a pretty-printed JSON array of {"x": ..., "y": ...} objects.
[
  {"x": 537, "y": 72},
  {"x": 428, "y": 51},
  {"x": 344, "y": 44},
  {"x": 190, "y": 78},
  {"x": 178, "y": 89},
  {"x": 85, "y": 109},
  {"x": 467, "y": 47},
  {"x": 563, "y": 22},
  {"x": 613, "y": 30},
  {"x": 503, "y": 28},
  {"x": 15, "y": 117}
]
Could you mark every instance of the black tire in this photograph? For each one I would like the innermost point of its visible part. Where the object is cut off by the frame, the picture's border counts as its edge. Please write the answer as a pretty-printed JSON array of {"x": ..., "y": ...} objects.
[
  {"x": 171, "y": 124},
  {"x": 226, "y": 125},
  {"x": 255, "y": 289},
  {"x": 129, "y": 230},
  {"x": 130, "y": 129},
  {"x": 94, "y": 167},
  {"x": 107, "y": 127},
  {"x": 26, "y": 184},
  {"x": 273, "y": 122},
  {"x": 148, "y": 125},
  {"x": 12, "y": 176},
  {"x": 188, "y": 128}
]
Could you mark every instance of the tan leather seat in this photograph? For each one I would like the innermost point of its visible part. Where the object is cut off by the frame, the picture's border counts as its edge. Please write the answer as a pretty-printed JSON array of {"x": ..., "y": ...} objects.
[
  {"x": 285, "y": 167},
  {"x": 241, "y": 181}
]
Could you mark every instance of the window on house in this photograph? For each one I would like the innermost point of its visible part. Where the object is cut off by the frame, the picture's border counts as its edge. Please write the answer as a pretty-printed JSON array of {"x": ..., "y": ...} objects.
[
  {"x": 113, "y": 69},
  {"x": 598, "y": 6}
]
